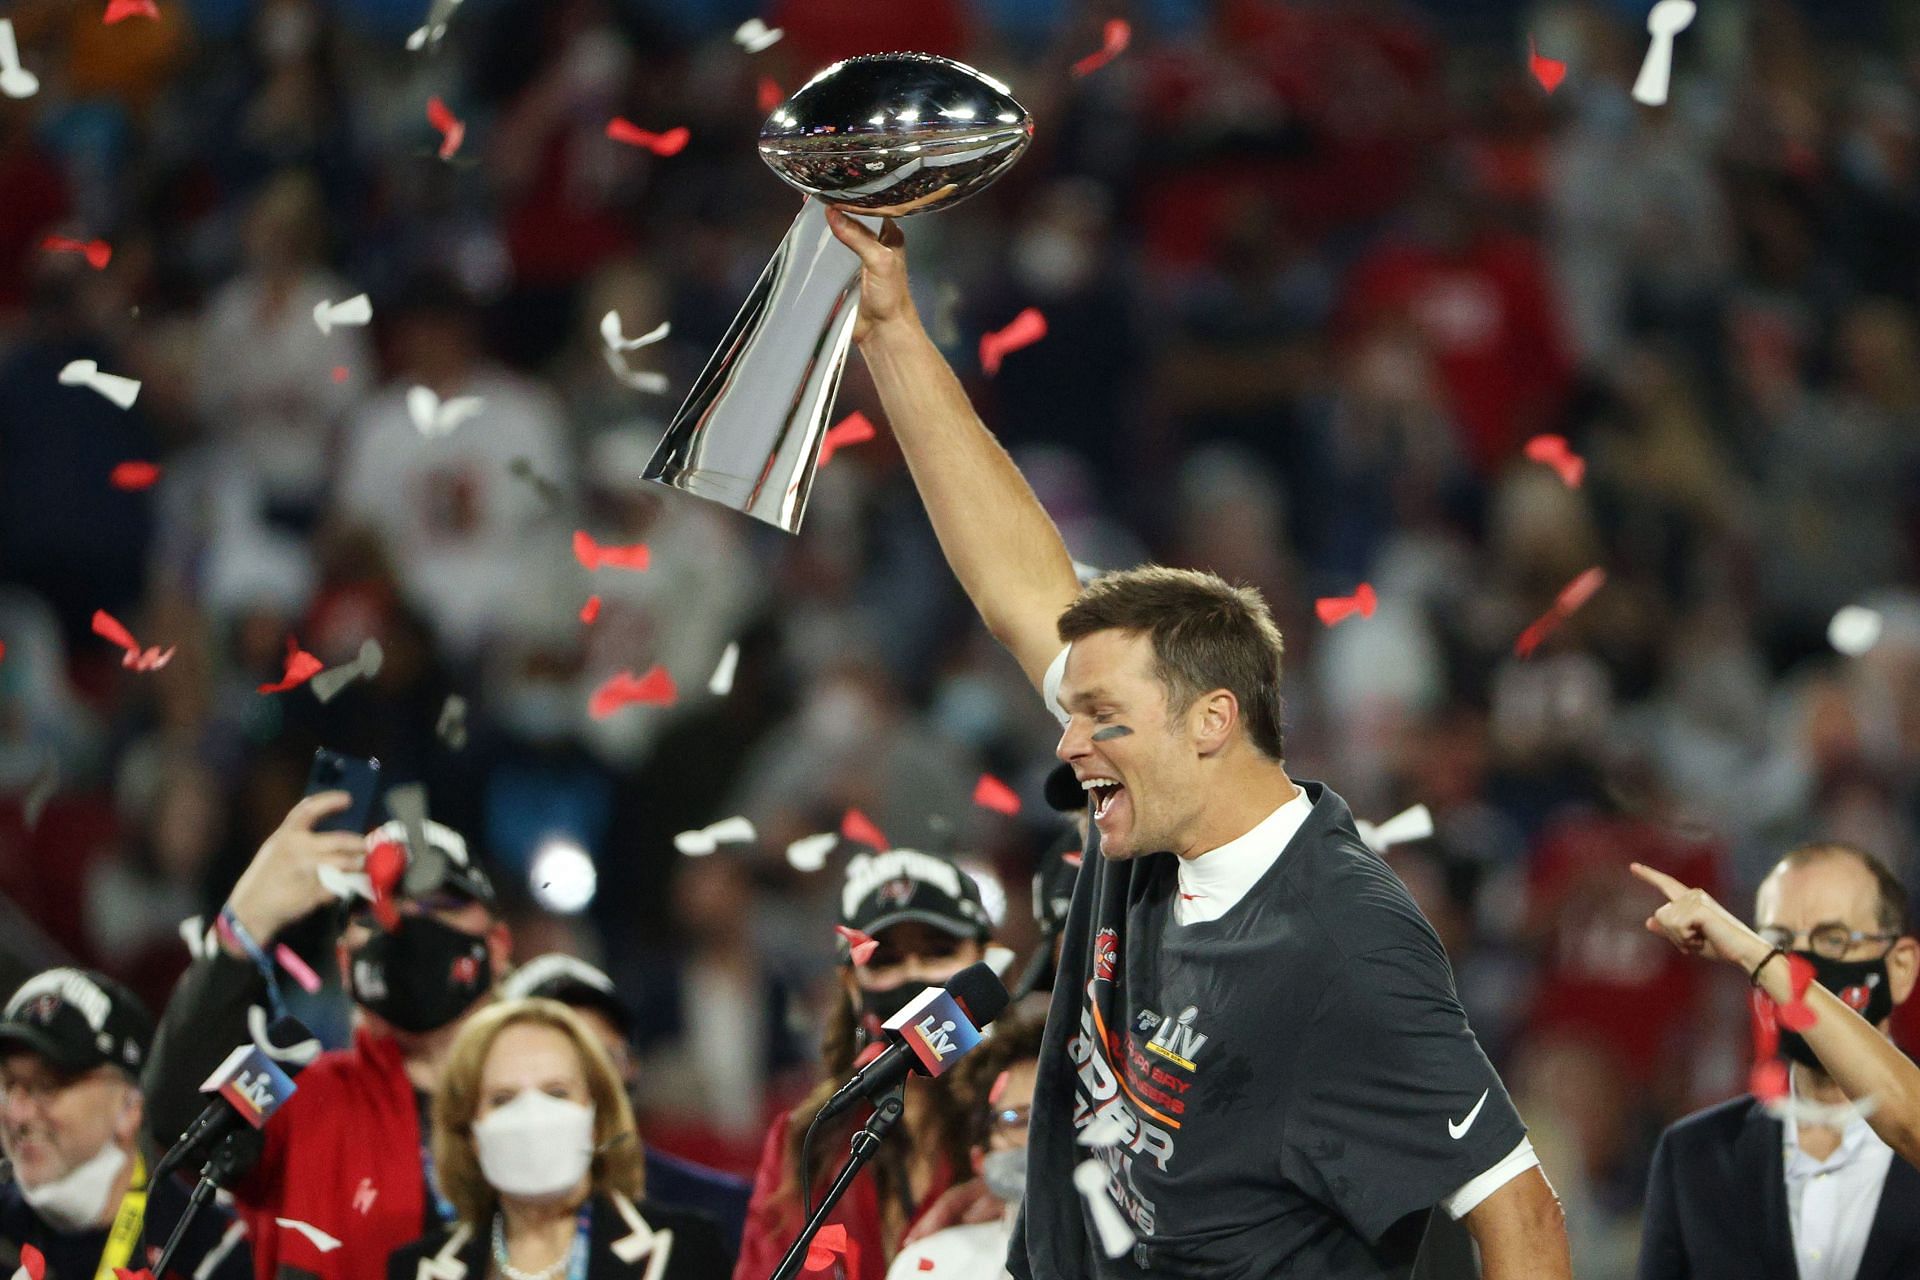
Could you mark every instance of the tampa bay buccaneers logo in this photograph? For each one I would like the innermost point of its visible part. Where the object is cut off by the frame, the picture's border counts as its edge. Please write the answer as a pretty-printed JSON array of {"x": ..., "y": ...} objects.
[
  {"x": 1106, "y": 955},
  {"x": 1856, "y": 996}
]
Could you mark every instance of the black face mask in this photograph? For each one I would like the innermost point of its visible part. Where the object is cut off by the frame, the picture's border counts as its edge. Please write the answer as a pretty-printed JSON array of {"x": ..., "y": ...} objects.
[
  {"x": 1861, "y": 984},
  {"x": 422, "y": 975},
  {"x": 882, "y": 1003}
]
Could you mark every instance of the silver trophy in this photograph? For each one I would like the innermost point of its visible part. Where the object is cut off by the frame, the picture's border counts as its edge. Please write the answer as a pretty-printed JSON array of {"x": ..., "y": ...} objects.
[{"x": 883, "y": 135}]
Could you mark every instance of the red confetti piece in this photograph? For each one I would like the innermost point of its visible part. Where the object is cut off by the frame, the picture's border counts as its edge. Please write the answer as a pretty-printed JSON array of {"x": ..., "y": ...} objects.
[
  {"x": 1334, "y": 610},
  {"x": 770, "y": 95},
  {"x": 98, "y": 253},
  {"x": 33, "y": 1262},
  {"x": 999, "y": 1088},
  {"x": 1073, "y": 857},
  {"x": 1552, "y": 451},
  {"x": 859, "y": 828},
  {"x": 108, "y": 627},
  {"x": 299, "y": 970},
  {"x": 590, "y": 611},
  {"x": 339, "y": 373},
  {"x": 3, "y": 649},
  {"x": 1768, "y": 1081},
  {"x": 121, "y": 10},
  {"x": 133, "y": 476},
  {"x": 654, "y": 689},
  {"x": 859, "y": 944},
  {"x": 991, "y": 793},
  {"x": 594, "y": 556},
  {"x": 670, "y": 143},
  {"x": 827, "y": 1248},
  {"x": 1571, "y": 597},
  {"x": 1114, "y": 41},
  {"x": 855, "y": 428},
  {"x": 301, "y": 667},
  {"x": 386, "y": 864},
  {"x": 1024, "y": 330},
  {"x": 1548, "y": 71},
  {"x": 926, "y": 1264},
  {"x": 1795, "y": 1015},
  {"x": 451, "y": 130}
]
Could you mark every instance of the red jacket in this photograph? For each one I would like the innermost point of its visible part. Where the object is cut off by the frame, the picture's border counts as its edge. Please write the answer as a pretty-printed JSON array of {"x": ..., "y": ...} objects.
[
  {"x": 773, "y": 1223},
  {"x": 343, "y": 1158}
]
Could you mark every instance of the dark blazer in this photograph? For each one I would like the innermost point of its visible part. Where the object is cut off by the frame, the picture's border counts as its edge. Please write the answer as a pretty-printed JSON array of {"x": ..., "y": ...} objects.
[
  {"x": 1717, "y": 1204},
  {"x": 628, "y": 1243}
]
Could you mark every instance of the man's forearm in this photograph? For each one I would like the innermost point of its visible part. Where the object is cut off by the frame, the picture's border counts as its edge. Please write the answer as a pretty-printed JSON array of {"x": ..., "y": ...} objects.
[
  {"x": 1522, "y": 1232},
  {"x": 1000, "y": 542}
]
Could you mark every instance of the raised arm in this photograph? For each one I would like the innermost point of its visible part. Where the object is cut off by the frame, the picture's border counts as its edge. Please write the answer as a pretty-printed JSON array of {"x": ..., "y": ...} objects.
[{"x": 999, "y": 541}]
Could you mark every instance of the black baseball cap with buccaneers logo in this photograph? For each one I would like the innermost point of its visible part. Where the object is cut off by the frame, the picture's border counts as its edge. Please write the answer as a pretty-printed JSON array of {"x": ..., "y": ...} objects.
[
  {"x": 889, "y": 888},
  {"x": 77, "y": 1020}
]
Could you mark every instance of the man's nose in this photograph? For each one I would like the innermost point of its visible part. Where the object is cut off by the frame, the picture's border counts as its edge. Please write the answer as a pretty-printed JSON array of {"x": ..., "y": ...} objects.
[{"x": 1074, "y": 743}]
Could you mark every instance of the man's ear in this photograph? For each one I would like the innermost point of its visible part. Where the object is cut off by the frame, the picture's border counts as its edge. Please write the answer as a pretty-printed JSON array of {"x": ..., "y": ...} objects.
[
  {"x": 1903, "y": 967},
  {"x": 133, "y": 1115},
  {"x": 1211, "y": 720}
]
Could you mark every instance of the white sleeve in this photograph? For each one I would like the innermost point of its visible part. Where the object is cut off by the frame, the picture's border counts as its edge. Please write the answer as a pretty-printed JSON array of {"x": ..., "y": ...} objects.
[
  {"x": 1512, "y": 1165},
  {"x": 1050, "y": 684}
]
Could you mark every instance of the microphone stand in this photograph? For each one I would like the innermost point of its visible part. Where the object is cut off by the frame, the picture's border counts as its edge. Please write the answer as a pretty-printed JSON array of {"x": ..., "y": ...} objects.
[
  {"x": 865, "y": 1144},
  {"x": 229, "y": 1163}
]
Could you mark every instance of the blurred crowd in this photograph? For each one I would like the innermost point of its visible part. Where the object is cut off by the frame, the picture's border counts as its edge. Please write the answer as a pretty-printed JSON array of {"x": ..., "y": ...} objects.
[{"x": 1313, "y": 274}]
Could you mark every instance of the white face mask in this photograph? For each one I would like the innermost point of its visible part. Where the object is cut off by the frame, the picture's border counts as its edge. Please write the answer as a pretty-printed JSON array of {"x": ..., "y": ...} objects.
[
  {"x": 535, "y": 1146},
  {"x": 79, "y": 1200}
]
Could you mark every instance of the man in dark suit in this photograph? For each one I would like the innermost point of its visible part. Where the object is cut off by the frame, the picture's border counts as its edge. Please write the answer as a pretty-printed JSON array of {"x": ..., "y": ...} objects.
[{"x": 1802, "y": 1187}]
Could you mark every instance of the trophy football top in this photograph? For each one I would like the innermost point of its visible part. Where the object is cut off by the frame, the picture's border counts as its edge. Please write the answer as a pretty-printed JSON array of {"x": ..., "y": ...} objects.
[{"x": 895, "y": 133}]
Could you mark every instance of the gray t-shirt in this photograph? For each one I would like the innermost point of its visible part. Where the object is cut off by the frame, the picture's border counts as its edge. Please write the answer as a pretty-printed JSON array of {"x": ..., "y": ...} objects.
[{"x": 1296, "y": 1080}]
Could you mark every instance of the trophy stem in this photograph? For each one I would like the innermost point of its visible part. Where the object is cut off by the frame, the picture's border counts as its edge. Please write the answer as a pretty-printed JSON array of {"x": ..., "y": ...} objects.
[{"x": 749, "y": 434}]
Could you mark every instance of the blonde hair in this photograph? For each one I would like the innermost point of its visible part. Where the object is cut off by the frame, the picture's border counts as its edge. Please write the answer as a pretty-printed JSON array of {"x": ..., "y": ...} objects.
[{"x": 618, "y": 1160}]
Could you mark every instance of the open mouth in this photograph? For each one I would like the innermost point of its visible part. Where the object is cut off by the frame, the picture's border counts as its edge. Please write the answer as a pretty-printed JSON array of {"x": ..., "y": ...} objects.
[{"x": 1103, "y": 791}]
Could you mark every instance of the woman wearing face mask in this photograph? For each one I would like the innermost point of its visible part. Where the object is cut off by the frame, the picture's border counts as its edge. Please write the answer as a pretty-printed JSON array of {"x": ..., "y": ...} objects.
[
  {"x": 927, "y": 922},
  {"x": 536, "y": 1148}
]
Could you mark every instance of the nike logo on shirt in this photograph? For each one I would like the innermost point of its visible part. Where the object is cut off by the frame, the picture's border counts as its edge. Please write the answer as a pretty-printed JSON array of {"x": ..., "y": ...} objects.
[{"x": 1459, "y": 1131}]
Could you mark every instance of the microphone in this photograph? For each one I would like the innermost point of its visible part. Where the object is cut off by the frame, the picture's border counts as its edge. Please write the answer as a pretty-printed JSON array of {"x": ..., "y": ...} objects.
[
  {"x": 248, "y": 1087},
  {"x": 933, "y": 1031}
]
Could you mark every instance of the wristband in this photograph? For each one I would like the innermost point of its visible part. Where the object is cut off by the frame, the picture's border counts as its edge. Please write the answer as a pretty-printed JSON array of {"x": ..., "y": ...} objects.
[
  {"x": 1753, "y": 978},
  {"x": 230, "y": 925}
]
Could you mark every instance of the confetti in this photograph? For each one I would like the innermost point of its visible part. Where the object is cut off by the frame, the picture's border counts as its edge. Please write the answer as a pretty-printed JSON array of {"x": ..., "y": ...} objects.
[
  {"x": 991, "y": 793},
  {"x": 426, "y": 866},
  {"x": 33, "y": 1262},
  {"x": 365, "y": 666},
  {"x": 697, "y": 844},
  {"x": 355, "y": 311},
  {"x": 1414, "y": 824},
  {"x": 85, "y": 373},
  {"x": 133, "y": 476},
  {"x": 121, "y": 10},
  {"x": 721, "y": 682},
  {"x": 999, "y": 1088},
  {"x": 1664, "y": 21},
  {"x": 299, "y": 970},
  {"x": 98, "y": 253},
  {"x": 15, "y": 80},
  {"x": 622, "y": 688},
  {"x": 41, "y": 791},
  {"x": 3, "y": 651},
  {"x": 859, "y": 946},
  {"x": 1090, "y": 1178},
  {"x": 1552, "y": 451},
  {"x": 769, "y": 95},
  {"x": 670, "y": 143},
  {"x": 618, "y": 345},
  {"x": 436, "y": 25},
  {"x": 436, "y": 419},
  {"x": 809, "y": 853},
  {"x": 1548, "y": 71},
  {"x": 855, "y": 428},
  {"x": 858, "y": 827},
  {"x": 1854, "y": 630},
  {"x": 452, "y": 726},
  {"x": 451, "y": 130},
  {"x": 301, "y": 667},
  {"x": 756, "y": 36},
  {"x": 344, "y": 884},
  {"x": 386, "y": 864},
  {"x": 1103, "y": 1130},
  {"x": 1333, "y": 610},
  {"x": 1113, "y": 42},
  {"x": 594, "y": 556},
  {"x": 108, "y": 627},
  {"x": 1795, "y": 1014},
  {"x": 1571, "y": 597},
  {"x": 827, "y": 1248},
  {"x": 1072, "y": 857},
  {"x": 339, "y": 373},
  {"x": 590, "y": 611},
  {"x": 1023, "y": 330},
  {"x": 1830, "y": 1115}
]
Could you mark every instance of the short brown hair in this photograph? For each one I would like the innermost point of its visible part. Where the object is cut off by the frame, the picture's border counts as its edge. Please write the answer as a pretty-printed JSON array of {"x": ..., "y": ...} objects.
[
  {"x": 1207, "y": 634},
  {"x": 1890, "y": 908},
  {"x": 619, "y": 1161}
]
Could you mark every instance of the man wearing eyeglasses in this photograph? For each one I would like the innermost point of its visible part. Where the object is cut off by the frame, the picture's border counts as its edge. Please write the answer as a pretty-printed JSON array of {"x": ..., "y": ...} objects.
[{"x": 1802, "y": 1186}]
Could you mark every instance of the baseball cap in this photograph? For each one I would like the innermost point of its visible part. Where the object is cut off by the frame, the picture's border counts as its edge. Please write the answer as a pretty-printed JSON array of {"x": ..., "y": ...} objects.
[
  {"x": 78, "y": 1020},
  {"x": 885, "y": 889},
  {"x": 571, "y": 981},
  {"x": 446, "y": 866}
]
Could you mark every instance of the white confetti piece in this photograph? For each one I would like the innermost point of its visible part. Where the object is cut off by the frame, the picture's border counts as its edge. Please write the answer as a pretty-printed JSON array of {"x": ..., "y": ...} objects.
[
  {"x": 327, "y": 685},
  {"x": 86, "y": 373},
  {"x": 1854, "y": 630},
  {"x": 1664, "y": 21},
  {"x": 999, "y": 959},
  {"x": 357, "y": 310},
  {"x": 435, "y": 28},
  {"x": 696, "y": 844},
  {"x": 15, "y": 80},
  {"x": 1090, "y": 1178},
  {"x": 435, "y": 418},
  {"x": 722, "y": 683},
  {"x": 617, "y": 345},
  {"x": 1104, "y": 1130},
  {"x": 809, "y": 853},
  {"x": 452, "y": 727},
  {"x": 755, "y": 36},
  {"x": 1415, "y": 824},
  {"x": 345, "y": 885}
]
